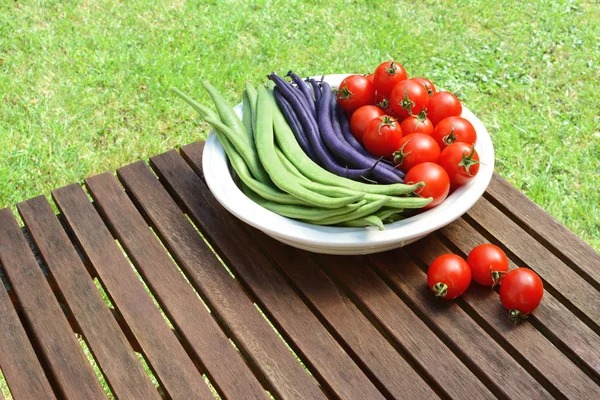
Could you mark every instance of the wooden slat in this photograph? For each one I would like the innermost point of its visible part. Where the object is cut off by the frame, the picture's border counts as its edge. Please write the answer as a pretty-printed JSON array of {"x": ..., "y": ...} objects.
[
  {"x": 554, "y": 235},
  {"x": 173, "y": 368},
  {"x": 70, "y": 369},
  {"x": 568, "y": 283},
  {"x": 108, "y": 344},
  {"x": 426, "y": 349},
  {"x": 276, "y": 296},
  {"x": 553, "y": 316},
  {"x": 225, "y": 366},
  {"x": 457, "y": 327},
  {"x": 224, "y": 296},
  {"x": 522, "y": 338},
  {"x": 380, "y": 358},
  {"x": 24, "y": 375}
]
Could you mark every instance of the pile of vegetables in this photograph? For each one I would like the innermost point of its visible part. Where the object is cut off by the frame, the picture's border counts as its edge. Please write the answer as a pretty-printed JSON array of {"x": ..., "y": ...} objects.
[
  {"x": 521, "y": 290},
  {"x": 278, "y": 172}
]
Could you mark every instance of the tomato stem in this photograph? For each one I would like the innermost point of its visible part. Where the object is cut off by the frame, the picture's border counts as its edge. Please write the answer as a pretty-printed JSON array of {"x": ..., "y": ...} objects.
[
  {"x": 467, "y": 161},
  {"x": 451, "y": 138},
  {"x": 406, "y": 102},
  {"x": 440, "y": 289},
  {"x": 344, "y": 92},
  {"x": 399, "y": 155},
  {"x": 516, "y": 315},
  {"x": 386, "y": 120},
  {"x": 496, "y": 276},
  {"x": 391, "y": 70}
]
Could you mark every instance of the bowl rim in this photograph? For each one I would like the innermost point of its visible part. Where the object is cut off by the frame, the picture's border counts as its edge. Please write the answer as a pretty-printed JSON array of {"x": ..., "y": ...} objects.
[{"x": 220, "y": 182}]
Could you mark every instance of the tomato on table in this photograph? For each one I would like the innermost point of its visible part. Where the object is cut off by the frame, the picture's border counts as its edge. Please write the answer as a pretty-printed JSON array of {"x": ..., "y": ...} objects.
[
  {"x": 521, "y": 292},
  {"x": 461, "y": 162},
  {"x": 454, "y": 129},
  {"x": 443, "y": 105},
  {"x": 488, "y": 264},
  {"x": 382, "y": 136},
  {"x": 408, "y": 98},
  {"x": 428, "y": 85},
  {"x": 416, "y": 148},
  {"x": 449, "y": 276},
  {"x": 387, "y": 75},
  {"x": 435, "y": 178},
  {"x": 417, "y": 124},
  {"x": 355, "y": 91},
  {"x": 361, "y": 118}
]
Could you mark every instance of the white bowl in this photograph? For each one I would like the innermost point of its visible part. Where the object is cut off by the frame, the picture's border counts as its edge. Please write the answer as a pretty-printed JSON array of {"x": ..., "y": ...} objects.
[{"x": 342, "y": 240}]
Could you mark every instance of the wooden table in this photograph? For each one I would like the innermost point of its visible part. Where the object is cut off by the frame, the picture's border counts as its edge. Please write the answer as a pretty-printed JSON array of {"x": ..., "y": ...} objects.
[{"x": 246, "y": 316}]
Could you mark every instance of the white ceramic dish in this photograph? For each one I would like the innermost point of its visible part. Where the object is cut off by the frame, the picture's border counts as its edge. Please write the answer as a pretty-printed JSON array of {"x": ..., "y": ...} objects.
[{"x": 341, "y": 240}]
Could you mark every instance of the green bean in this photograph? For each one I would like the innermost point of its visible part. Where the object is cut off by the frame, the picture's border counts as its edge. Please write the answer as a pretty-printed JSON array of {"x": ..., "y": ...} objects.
[
  {"x": 313, "y": 171},
  {"x": 371, "y": 220},
  {"x": 386, "y": 213},
  {"x": 291, "y": 168},
  {"x": 204, "y": 111},
  {"x": 247, "y": 115},
  {"x": 360, "y": 212},
  {"x": 226, "y": 113},
  {"x": 300, "y": 212},
  {"x": 249, "y": 155},
  {"x": 286, "y": 181},
  {"x": 251, "y": 92},
  {"x": 266, "y": 191}
]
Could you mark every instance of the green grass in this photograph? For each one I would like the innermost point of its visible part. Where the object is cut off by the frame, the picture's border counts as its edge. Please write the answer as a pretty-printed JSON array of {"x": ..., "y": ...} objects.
[{"x": 84, "y": 84}]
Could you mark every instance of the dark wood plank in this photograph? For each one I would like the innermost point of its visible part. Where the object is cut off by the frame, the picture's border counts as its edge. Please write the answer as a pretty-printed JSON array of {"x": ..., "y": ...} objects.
[
  {"x": 277, "y": 298},
  {"x": 224, "y": 365},
  {"x": 69, "y": 368},
  {"x": 415, "y": 337},
  {"x": 523, "y": 339},
  {"x": 537, "y": 222},
  {"x": 552, "y": 270},
  {"x": 551, "y": 316},
  {"x": 386, "y": 365},
  {"x": 108, "y": 344},
  {"x": 171, "y": 364},
  {"x": 457, "y": 327},
  {"x": 24, "y": 375}
]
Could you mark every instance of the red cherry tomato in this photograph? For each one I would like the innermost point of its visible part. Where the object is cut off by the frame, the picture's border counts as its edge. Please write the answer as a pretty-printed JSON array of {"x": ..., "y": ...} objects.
[
  {"x": 488, "y": 264},
  {"x": 361, "y": 118},
  {"x": 409, "y": 97},
  {"x": 370, "y": 77},
  {"x": 387, "y": 75},
  {"x": 443, "y": 105},
  {"x": 417, "y": 124},
  {"x": 437, "y": 183},
  {"x": 461, "y": 162},
  {"x": 454, "y": 129},
  {"x": 416, "y": 148},
  {"x": 448, "y": 276},
  {"x": 521, "y": 292},
  {"x": 355, "y": 91},
  {"x": 382, "y": 136},
  {"x": 428, "y": 85}
]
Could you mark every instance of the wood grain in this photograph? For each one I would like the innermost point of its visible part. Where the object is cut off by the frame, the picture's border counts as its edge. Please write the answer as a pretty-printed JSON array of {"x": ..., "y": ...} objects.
[
  {"x": 59, "y": 348},
  {"x": 174, "y": 369},
  {"x": 524, "y": 339},
  {"x": 547, "y": 230},
  {"x": 224, "y": 365},
  {"x": 224, "y": 296}
]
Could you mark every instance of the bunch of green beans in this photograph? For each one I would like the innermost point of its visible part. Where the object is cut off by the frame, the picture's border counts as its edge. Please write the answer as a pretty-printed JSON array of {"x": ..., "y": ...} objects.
[{"x": 275, "y": 173}]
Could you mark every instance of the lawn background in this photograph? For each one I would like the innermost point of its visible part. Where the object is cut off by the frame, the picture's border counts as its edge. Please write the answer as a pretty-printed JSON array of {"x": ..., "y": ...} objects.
[{"x": 84, "y": 84}]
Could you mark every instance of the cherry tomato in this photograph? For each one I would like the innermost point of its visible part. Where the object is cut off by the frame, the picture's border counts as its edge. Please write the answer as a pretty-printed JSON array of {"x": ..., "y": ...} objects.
[
  {"x": 361, "y": 118},
  {"x": 437, "y": 183},
  {"x": 428, "y": 85},
  {"x": 355, "y": 91},
  {"x": 416, "y": 148},
  {"x": 488, "y": 264},
  {"x": 409, "y": 97},
  {"x": 382, "y": 136},
  {"x": 461, "y": 162},
  {"x": 448, "y": 276},
  {"x": 521, "y": 292},
  {"x": 370, "y": 77},
  {"x": 417, "y": 124},
  {"x": 454, "y": 129},
  {"x": 443, "y": 105},
  {"x": 387, "y": 75}
]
